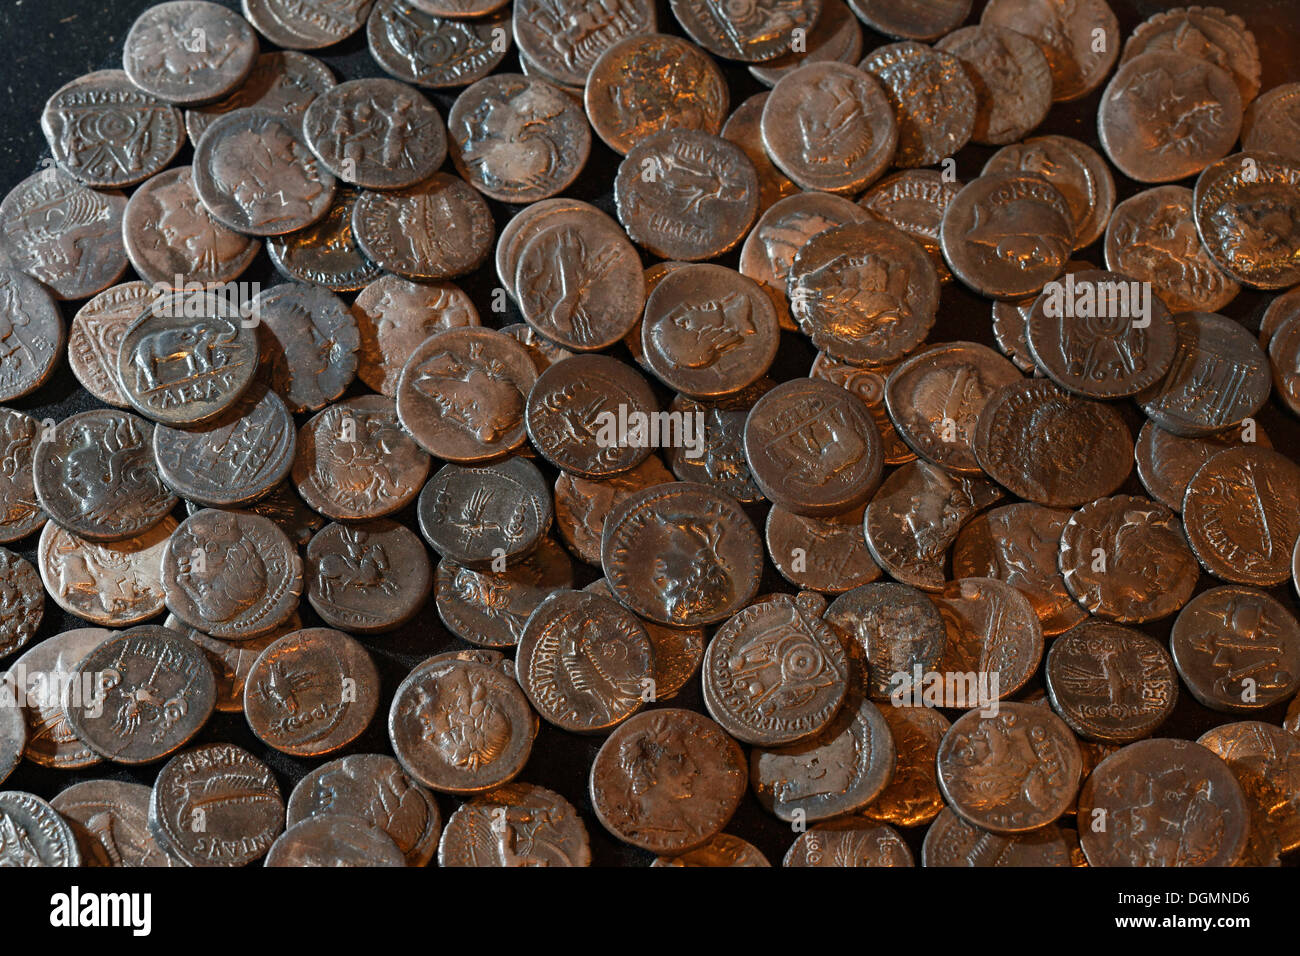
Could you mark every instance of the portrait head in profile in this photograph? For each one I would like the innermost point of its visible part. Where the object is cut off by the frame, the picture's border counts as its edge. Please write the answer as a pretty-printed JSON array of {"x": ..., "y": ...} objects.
[
  {"x": 658, "y": 771},
  {"x": 267, "y": 174}
]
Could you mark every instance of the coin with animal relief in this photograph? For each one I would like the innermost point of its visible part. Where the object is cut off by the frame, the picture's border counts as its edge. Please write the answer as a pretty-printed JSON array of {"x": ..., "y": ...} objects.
[
  {"x": 481, "y": 516},
  {"x": 114, "y": 583},
  {"x": 96, "y": 334},
  {"x": 367, "y": 577}
]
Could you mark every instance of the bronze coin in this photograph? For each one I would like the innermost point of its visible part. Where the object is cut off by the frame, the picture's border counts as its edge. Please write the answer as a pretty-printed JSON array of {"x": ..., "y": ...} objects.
[
  {"x": 519, "y": 824},
  {"x": 282, "y": 81},
  {"x": 418, "y": 47},
  {"x": 231, "y": 660},
  {"x": 367, "y": 577},
  {"x": 743, "y": 128},
  {"x": 38, "y": 679},
  {"x": 820, "y": 553},
  {"x": 20, "y": 512},
  {"x": 1205, "y": 33},
  {"x": 111, "y": 583},
  {"x": 1269, "y": 121},
  {"x": 914, "y": 202},
  {"x": 1166, "y": 462}
]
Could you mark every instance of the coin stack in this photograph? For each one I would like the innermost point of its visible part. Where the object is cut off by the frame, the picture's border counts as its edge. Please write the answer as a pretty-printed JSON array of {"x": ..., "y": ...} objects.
[{"x": 637, "y": 512}]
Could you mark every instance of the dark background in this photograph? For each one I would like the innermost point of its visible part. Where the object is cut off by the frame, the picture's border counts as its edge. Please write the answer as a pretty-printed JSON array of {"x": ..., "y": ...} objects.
[{"x": 46, "y": 43}]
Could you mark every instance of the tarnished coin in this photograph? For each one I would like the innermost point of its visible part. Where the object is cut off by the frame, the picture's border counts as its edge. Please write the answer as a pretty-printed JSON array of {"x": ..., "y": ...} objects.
[
  {"x": 1081, "y": 40},
  {"x": 715, "y": 452},
  {"x": 829, "y": 126},
  {"x": 1152, "y": 237},
  {"x": 237, "y": 457},
  {"x": 709, "y": 331},
  {"x": 418, "y": 47},
  {"x": 1012, "y": 771},
  {"x": 645, "y": 84},
  {"x": 96, "y": 334},
  {"x": 34, "y": 833},
  {"x": 914, "y": 19},
  {"x": 309, "y": 343},
  {"x": 187, "y": 358},
  {"x": 579, "y": 281},
  {"x": 1018, "y": 544},
  {"x": 311, "y": 692},
  {"x": 162, "y": 57},
  {"x": 1166, "y": 462},
  {"x": 1006, "y": 235},
  {"x": 38, "y": 680},
  {"x": 231, "y": 660},
  {"x": 1237, "y": 649},
  {"x": 912, "y": 796},
  {"x": 256, "y": 175},
  {"x": 699, "y": 200},
  {"x": 22, "y": 602},
  {"x": 460, "y": 727},
  {"x": 952, "y": 841},
  {"x": 13, "y": 727},
  {"x": 774, "y": 675},
  {"x": 935, "y": 398},
  {"x": 149, "y": 692},
  {"x": 1075, "y": 169},
  {"x": 31, "y": 331},
  {"x": 1166, "y": 803},
  {"x": 1166, "y": 116},
  {"x": 334, "y": 840},
  {"x": 490, "y": 608},
  {"x": 327, "y": 252},
  {"x": 532, "y": 219},
  {"x": 394, "y": 315},
  {"x": 111, "y": 583},
  {"x": 1010, "y": 75},
  {"x": 286, "y": 511},
  {"x": 724, "y": 850},
  {"x": 994, "y": 647},
  {"x": 519, "y": 824},
  {"x": 216, "y": 805},
  {"x": 842, "y": 769},
  {"x": 367, "y": 577},
  {"x": 171, "y": 238},
  {"x": 486, "y": 515},
  {"x": 1247, "y": 209},
  {"x": 462, "y": 394},
  {"x": 895, "y": 629},
  {"x": 678, "y": 651},
  {"x": 667, "y": 781},
  {"x": 231, "y": 574},
  {"x": 1203, "y": 33},
  {"x": 437, "y": 229},
  {"x": 67, "y": 235},
  {"x": 1091, "y": 450},
  {"x": 1284, "y": 358},
  {"x": 282, "y": 82},
  {"x": 827, "y": 554},
  {"x": 849, "y": 843},
  {"x": 107, "y": 132},
  {"x": 564, "y": 39},
  {"x": 1126, "y": 559},
  {"x": 376, "y": 133},
  {"x": 1270, "y": 122},
  {"x": 1266, "y": 762},
  {"x": 20, "y": 513},
  {"x": 762, "y": 31},
  {"x": 94, "y": 475},
  {"x": 373, "y": 788},
  {"x": 869, "y": 385},
  {"x": 111, "y": 821},
  {"x": 914, "y": 201},
  {"x": 306, "y": 26},
  {"x": 916, "y": 515},
  {"x": 932, "y": 96},
  {"x": 1110, "y": 683},
  {"x": 835, "y": 35},
  {"x": 581, "y": 505},
  {"x": 585, "y": 662}
]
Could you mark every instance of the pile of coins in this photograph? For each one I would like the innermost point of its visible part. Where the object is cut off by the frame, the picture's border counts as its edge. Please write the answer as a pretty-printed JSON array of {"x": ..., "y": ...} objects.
[{"x": 904, "y": 597}]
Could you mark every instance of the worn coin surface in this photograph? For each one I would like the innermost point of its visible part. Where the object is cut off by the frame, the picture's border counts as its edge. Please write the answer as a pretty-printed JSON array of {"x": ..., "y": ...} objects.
[
  {"x": 39, "y": 677},
  {"x": 532, "y": 219},
  {"x": 1270, "y": 122},
  {"x": 162, "y": 57},
  {"x": 285, "y": 509},
  {"x": 35, "y": 833},
  {"x": 912, "y": 796},
  {"x": 724, "y": 850},
  {"x": 952, "y": 841},
  {"x": 111, "y": 821},
  {"x": 306, "y": 26},
  {"x": 282, "y": 81},
  {"x": 490, "y": 608},
  {"x": 994, "y": 646},
  {"x": 894, "y": 628},
  {"x": 1010, "y": 76},
  {"x": 1075, "y": 169},
  {"x": 678, "y": 651},
  {"x": 1247, "y": 209},
  {"x": 1166, "y": 462},
  {"x": 1081, "y": 40},
  {"x": 394, "y": 315},
  {"x": 1166, "y": 803},
  {"x": 715, "y": 454},
  {"x": 325, "y": 253},
  {"x": 1237, "y": 649},
  {"x": 111, "y": 583},
  {"x": 835, "y": 35},
  {"x": 216, "y": 805},
  {"x": 820, "y": 553},
  {"x": 367, "y": 577},
  {"x": 565, "y": 38},
  {"x": 334, "y": 840},
  {"x": 414, "y": 45},
  {"x": 437, "y": 229},
  {"x": 1204, "y": 33},
  {"x": 1266, "y": 762},
  {"x": 481, "y": 516},
  {"x": 96, "y": 334},
  {"x": 926, "y": 20},
  {"x": 932, "y": 96},
  {"x": 13, "y": 727},
  {"x": 519, "y": 824},
  {"x": 761, "y": 31},
  {"x": 582, "y": 505},
  {"x": 231, "y": 660},
  {"x": 20, "y": 513},
  {"x": 22, "y": 602},
  {"x": 914, "y": 202},
  {"x": 309, "y": 342},
  {"x": 1284, "y": 357},
  {"x": 869, "y": 385},
  {"x": 32, "y": 331}
]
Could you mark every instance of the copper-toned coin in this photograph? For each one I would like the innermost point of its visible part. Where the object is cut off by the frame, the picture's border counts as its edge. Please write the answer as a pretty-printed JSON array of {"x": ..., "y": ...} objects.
[
  {"x": 932, "y": 96},
  {"x": 564, "y": 38},
  {"x": 67, "y": 235},
  {"x": 1204, "y": 33},
  {"x": 1018, "y": 544},
  {"x": 667, "y": 781},
  {"x": 367, "y": 577},
  {"x": 724, "y": 850},
  {"x": 1152, "y": 237},
  {"x": 436, "y": 229},
  {"x": 395, "y": 315},
  {"x": 33, "y": 334},
  {"x": 1011, "y": 320},
  {"x": 1237, "y": 649},
  {"x": 1241, "y": 511},
  {"x": 1284, "y": 357},
  {"x": 35, "y": 833},
  {"x": 533, "y": 219},
  {"x": 647, "y": 83},
  {"x": 1126, "y": 559},
  {"x": 895, "y": 629},
  {"x": 309, "y": 343},
  {"x": 107, "y": 132},
  {"x": 829, "y": 126},
  {"x": 22, "y": 602},
  {"x": 1075, "y": 169},
  {"x": 835, "y": 35},
  {"x": 1081, "y": 40},
  {"x": 334, "y": 840},
  {"x": 707, "y": 557},
  {"x": 1245, "y": 215},
  {"x": 519, "y": 824},
  {"x": 1012, "y": 771},
  {"x": 1266, "y": 762},
  {"x": 171, "y": 238},
  {"x": 913, "y": 20},
  {"x": 1011, "y": 77},
  {"x": 686, "y": 194},
  {"x": 420, "y": 48},
  {"x": 151, "y": 691},
  {"x": 1270, "y": 122},
  {"x": 111, "y": 821},
  {"x": 1110, "y": 683},
  {"x": 20, "y": 513},
  {"x": 38, "y": 679},
  {"x": 231, "y": 660},
  {"x": 585, "y": 662},
  {"x": 311, "y": 692},
  {"x": 493, "y": 514},
  {"x": 994, "y": 647},
  {"x": 1091, "y": 451},
  {"x": 460, "y": 727},
  {"x": 912, "y": 797},
  {"x": 281, "y": 81},
  {"x": 231, "y": 574},
  {"x": 462, "y": 394},
  {"x": 1006, "y": 235},
  {"x": 325, "y": 253},
  {"x": 869, "y": 385},
  {"x": 915, "y": 516},
  {"x": 581, "y": 505},
  {"x": 715, "y": 455},
  {"x": 914, "y": 202},
  {"x": 95, "y": 336},
  {"x": 678, "y": 651},
  {"x": 354, "y": 462},
  {"x": 762, "y": 31},
  {"x": 1163, "y": 803},
  {"x": 111, "y": 583},
  {"x": 235, "y": 829},
  {"x": 1166, "y": 462},
  {"x": 163, "y": 59},
  {"x": 952, "y": 841},
  {"x": 490, "y": 608},
  {"x": 376, "y": 133},
  {"x": 827, "y": 554}
]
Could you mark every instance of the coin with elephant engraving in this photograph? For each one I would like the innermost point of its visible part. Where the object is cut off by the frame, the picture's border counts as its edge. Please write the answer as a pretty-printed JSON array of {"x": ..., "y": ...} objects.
[
  {"x": 490, "y": 608},
  {"x": 35, "y": 833},
  {"x": 367, "y": 577},
  {"x": 111, "y": 821},
  {"x": 486, "y": 515},
  {"x": 868, "y": 383}
]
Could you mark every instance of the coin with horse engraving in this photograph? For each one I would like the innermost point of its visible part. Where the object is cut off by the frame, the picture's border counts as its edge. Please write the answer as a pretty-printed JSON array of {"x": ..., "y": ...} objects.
[
  {"x": 96, "y": 333},
  {"x": 325, "y": 253},
  {"x": 418, "y": 47},
  {"x": 189, "y": 51},
  {"x": 334, "y": 840},
  {"x": 490, "y": 608},
  {"x": 368, "y": 576},
  {"x": 111, "y": 821},
  {"x": 480, "y": 516},
  {"x": 437, "y": 229},
  {"x": 20, "y": 513},
  {"x": 34, "y": 833},
  {"x": 518, "y": 824},
  {"x": 1247, "y": 209},
  {"x": 1011, "y": 78},
  {"x": 33, "y": 337}
]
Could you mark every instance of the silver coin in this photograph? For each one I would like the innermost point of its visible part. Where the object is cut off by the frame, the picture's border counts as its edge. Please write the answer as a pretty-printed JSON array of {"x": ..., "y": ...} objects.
[
  {"x": 20, "y": 513},
  {"x": 283, "y": 82},
  {"x": 306, "y": 24},
  {"x": 564, "y": 38},
  {"x": 1270, "y": 122},
  {"x": 96, "y": 333},
  {"x": 1080, "y": 40},
  {"x": 309, "y": 343},
  {"x": 836, "y": 35},
  {"x": 39, "y": 678},
  {"x": 326, "y": 253},
  {"x": 113, "y": 583},
  {"x": 437, "y": 229},
  {"x": 334, "y": 840},
  {"x": 1247, "y": 209},
  {"x": 520, "y": 824},
  {"x": 1011, "y": 76},
  {"x": 367, "y": 577},
  {"x": 111, "y": 821},
  {"x": 34, "y": 833},
  {"x": 394, "y": 315},
  {"x": 162, "y": 57},
  {"x": 427, "y": 50},
  {"x": 932, "y": 96},
  {"x": 1075, "y": 169},
  {"x": 35, "y": 334}
]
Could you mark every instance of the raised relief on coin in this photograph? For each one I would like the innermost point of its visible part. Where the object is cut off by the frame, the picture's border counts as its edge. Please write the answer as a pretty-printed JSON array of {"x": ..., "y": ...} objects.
[
  {"x": 761, "y": 31},
  {"x": 1075, "y": 169},
  {"x": 724, "y": 850},
  {"x": 367, "y": 577},
  {"x": 953, "y": 841},
  {"x": 189, "y": 51},
  {"x": 849, "y": 844},
  {"x": 1202, "y": 33},
  {"x": 282, "y": 81},
  {"x": 912, "y": 796},
  {"x": 418, "y": 47},
  {"x": 1011, "y": 78},
  {"x": 994, "y": 647},
  {"x": 827, "y": 554},
  {"x": 306, "y": 24},
  {"x": 325, "y": 253},
  {"x": 394, "y": 315},
  {"x": 96, "y": 334},
  {"x": 932, "y": 97},
  {"x": 1266, "y": 762},
  {"x": 678, "y": 651},
  {"x": 231, "y": 660},
  {"x": 582, "y": 505},
  {"x": 835, "y": 35},
  {"x": 715, "y": 454},
  {"x": 31, "y": 334},
  {"x": 914, "y": 202},
  {"x": 20, "y": 513},
  {"x": 34, "y": 834},
  {"x": 480, "y": 516},
  {"x": 869, "y": 385},
  {"x": 22, "y": 602},
  {"x": 564, "y": 38},
  {"x": 309, "y": 342},
  {"x": 531, "y": 220},
  {"x": 1080, "y": 39},
  {"x": 437, "y": 229},
  {"x": 334, "y": 840},
  {"x": 38, "y": 679},
  {"x": 111, "y": 583},
  {"x": 286, "y": 511},
  {"x": 490, "y": 608},
  {"x": 111, "y": 821},
  {"x": 1247, "y": 209},
  {"x": 519, "y": 824},
  {"x": 1166, "y": 462},
  {"x": 896, "y": 629},
  {"x": 1271, "y": 122}
]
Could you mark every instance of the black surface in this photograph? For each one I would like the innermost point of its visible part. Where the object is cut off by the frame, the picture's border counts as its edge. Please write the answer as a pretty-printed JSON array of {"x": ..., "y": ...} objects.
[{"x": 46, "y": 43}]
